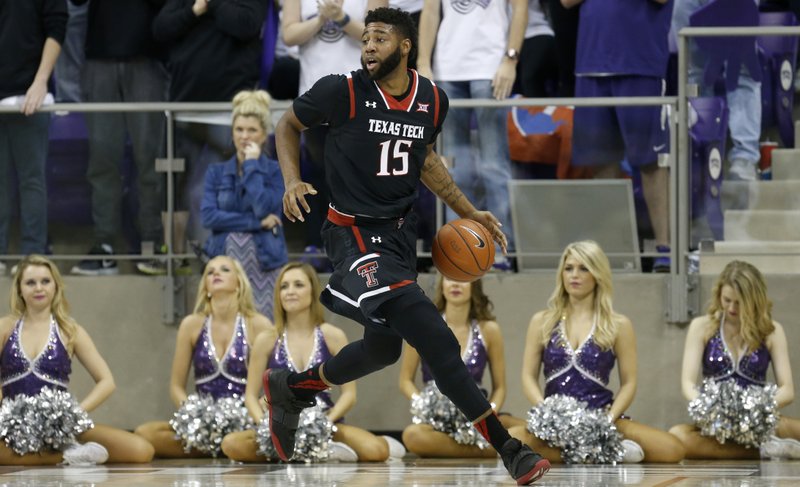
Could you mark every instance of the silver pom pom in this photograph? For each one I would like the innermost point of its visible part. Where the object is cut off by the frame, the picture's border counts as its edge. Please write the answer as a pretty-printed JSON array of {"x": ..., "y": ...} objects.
[
  {"x": 728, "y": 411},
  {"x": 52, "y": 419},
  {"x": 432, "y": 407},
  {"x": 313, "y": 438},
  {"x": 584, "y": 435},
  {"x": 201, "y": 422}
]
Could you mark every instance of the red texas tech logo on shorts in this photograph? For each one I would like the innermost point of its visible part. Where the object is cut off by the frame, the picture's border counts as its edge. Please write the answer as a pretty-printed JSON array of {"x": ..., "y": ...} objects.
[{"x": 367, "y": 271}]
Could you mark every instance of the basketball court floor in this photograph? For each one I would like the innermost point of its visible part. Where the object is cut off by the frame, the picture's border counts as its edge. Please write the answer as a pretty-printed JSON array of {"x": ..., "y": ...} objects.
[{"x": 410, "y": 472}]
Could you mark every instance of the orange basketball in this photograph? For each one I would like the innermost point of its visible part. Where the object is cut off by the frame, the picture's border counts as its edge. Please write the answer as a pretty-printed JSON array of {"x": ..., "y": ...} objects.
[{"x": 463, "y": 250}]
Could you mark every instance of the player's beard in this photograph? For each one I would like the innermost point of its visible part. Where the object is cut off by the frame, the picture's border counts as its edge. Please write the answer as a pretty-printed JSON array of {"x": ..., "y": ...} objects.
[{"x": 387, "y": 65}]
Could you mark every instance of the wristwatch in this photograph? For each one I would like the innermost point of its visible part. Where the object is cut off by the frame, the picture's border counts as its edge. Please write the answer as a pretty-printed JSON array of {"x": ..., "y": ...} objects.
[
  {"x": 345, "y": 20},
  {"x": 512, "y": 54}
]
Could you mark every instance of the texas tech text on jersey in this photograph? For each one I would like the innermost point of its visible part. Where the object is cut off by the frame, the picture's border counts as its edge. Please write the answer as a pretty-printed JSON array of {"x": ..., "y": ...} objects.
[{"x": 377, "y": 143}]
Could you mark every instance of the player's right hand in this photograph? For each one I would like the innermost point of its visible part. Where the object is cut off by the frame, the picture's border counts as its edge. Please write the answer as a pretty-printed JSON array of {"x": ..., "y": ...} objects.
[{"x": 294, "y": 198}]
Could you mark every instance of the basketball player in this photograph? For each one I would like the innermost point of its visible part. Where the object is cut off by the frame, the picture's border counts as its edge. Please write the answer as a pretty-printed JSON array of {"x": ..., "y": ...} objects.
[{"x": 383, "y": 119}]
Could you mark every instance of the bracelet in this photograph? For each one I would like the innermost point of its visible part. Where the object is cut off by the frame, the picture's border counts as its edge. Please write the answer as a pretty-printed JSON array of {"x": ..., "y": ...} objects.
[{"x": 345, "y": 20}]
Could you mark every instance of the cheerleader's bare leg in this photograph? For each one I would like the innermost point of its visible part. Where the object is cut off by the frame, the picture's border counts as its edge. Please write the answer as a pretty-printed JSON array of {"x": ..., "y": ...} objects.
[
  {"x": 122, "y": 446},
  {"x": 699, "y": 447},
  {"x": 659, "y": 446},
  {"x": 242, "y": 447},
  {"x": 9, "y": 457},
  {"x": 161, "y": 435},
  {"x": 788, "y": 428},
  {"x": 423, "y": 440},
  {"x": 368, "y": 447}
]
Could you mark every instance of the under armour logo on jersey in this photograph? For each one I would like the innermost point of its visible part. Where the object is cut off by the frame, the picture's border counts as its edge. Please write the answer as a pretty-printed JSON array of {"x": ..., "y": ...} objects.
[
  {"x": 422, "y": 107},
  {"x": 371, "y": 104},
  {"x": 376, "y": 239},
  {"x": 367, "y": 271}
]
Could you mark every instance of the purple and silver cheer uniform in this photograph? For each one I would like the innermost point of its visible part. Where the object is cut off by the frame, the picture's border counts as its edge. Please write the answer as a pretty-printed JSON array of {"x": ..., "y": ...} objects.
[
  {"x": 23, "y": 375},
  {"x": 582, "y": 373},
  {"x": 718, "y": 363},
  {"x": 224, "y": 377},
  {"x": 281, "y": 358},
  {"x": 474, "y": 355}
]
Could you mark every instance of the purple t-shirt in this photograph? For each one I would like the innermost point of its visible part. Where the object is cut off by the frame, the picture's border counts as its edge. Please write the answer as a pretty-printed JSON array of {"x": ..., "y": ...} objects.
[{"x": 623, "y": 37}]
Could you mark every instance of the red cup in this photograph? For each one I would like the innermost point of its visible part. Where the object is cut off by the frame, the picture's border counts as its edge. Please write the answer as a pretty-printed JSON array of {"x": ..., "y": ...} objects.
[{"x": 765, "y": 164}]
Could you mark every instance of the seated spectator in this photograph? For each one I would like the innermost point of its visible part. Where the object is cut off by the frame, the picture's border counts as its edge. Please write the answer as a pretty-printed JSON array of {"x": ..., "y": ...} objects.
[{"x": 242, "y": 201}]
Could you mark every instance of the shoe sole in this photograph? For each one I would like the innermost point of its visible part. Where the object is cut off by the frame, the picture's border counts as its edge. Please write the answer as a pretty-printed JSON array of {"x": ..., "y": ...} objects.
[
  {"x": 98, "y": 272},
  {"x": 537, "y": 472},
  {"x": 275, "y": 442}
]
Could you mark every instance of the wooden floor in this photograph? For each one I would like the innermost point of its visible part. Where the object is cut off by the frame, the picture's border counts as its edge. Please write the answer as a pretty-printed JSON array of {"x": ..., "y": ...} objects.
[{"x": 410, "y": 472}]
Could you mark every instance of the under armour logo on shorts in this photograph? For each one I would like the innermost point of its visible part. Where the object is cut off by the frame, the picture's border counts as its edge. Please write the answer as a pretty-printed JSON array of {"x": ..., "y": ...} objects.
[
  {"x": 371, "y": 104},
  {"x": 367, "y": 271},
  {"x": 376, "y": 239}
]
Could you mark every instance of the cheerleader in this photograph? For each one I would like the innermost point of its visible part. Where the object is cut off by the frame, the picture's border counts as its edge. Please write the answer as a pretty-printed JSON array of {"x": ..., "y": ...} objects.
[
  {"x": 732, "y": 347},
  {"x": 468, "y": 313},
  {"x": 41, "y": 422},
  {"x": 216, "y": 339},
  {"x": 577, "y": 340},
  {"x": 304, "y": 340}
]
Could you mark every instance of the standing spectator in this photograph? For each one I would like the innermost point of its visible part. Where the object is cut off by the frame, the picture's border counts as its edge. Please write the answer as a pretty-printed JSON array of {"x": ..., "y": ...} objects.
[
  {"x": 744, "y": 103},
  {"x": 122, "y": 65},
  {"x": 413, "y": 7},
  {"x": 564, "y": 22},
  {"x": 214, "y": 52},
  {"x": 537, "y": 71},
  {"x": 329, "y": 35},
  {"x": 242, "y": 201},
  {"x": 477, "y": 49},
  {"x": 284, "y": 77},
  {"x": 31, "y": 34},
  {"x": 67, "y": 71},
  {"x": 603, "y": 136}
]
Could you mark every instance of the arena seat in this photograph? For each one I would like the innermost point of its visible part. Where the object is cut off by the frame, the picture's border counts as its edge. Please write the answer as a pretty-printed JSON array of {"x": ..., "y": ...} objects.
[
  {"x": 708, "y": 132},
  {"x": 727, "y": 54},
  {"x": 778, "y": 56}
]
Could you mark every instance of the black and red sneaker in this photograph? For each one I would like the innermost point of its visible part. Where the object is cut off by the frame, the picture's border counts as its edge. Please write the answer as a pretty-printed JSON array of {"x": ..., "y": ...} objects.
[
  {"x": 284, "y": 411},
  {"x": 522, "y": 463}
]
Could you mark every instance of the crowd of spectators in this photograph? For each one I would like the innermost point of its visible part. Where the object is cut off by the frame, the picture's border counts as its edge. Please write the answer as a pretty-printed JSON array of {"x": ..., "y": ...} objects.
[{"x": 208, "y": 51}]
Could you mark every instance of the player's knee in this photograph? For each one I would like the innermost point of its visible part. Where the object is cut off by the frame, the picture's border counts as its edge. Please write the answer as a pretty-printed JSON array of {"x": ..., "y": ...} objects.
[{"x": 386, "y": 356}]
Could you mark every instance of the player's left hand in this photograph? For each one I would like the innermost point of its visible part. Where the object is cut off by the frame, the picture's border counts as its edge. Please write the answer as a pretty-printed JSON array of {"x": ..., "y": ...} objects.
[
  {"x": 503, "y": 81},
  {"x": 491, "y": 223},
  {"x": 294, "y": 198}
]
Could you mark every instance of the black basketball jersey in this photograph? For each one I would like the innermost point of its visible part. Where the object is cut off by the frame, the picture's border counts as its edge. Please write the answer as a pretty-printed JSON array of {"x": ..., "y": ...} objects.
[{"x": 376, "y": 144}]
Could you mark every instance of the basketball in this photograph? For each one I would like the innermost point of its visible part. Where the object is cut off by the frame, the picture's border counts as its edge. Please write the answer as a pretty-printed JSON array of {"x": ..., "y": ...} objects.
[{"x": 463, "y": 250}]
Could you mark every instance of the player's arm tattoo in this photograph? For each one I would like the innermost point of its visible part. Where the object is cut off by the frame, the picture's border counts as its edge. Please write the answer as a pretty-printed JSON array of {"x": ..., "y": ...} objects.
[{"x": 437, "y": 178}]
